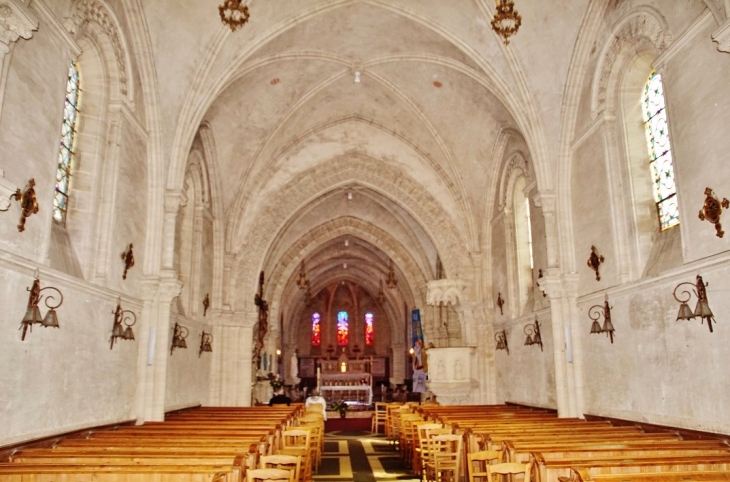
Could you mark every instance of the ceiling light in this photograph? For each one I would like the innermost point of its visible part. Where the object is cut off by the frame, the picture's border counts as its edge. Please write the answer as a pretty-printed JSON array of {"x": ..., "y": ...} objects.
[
  {"x": 357, "y": 77},
  {"x": 233, "y": 13},
  {"x": 506, "y": 21},
  {"x": 349, "y": 195}
]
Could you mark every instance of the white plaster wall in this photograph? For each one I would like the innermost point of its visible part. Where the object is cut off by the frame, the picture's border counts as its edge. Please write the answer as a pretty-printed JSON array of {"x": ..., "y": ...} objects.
[
  {"x": 526, "y": 375},
  {"x": 62, "y": 379},
  {"x": 188, "y": 372}
]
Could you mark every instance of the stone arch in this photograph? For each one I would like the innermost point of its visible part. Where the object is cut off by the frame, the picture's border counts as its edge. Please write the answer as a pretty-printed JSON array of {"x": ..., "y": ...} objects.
[
  {"x": 644, "y": 24},
  {"x": 98, "y": 12},
  {"x": 378, "y": 176}
]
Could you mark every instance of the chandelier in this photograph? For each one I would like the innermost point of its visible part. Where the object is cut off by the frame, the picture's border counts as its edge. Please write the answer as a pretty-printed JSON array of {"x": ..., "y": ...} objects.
[
  {"x": 506, "y": 21},
  {"x": 233, "y": 13}
]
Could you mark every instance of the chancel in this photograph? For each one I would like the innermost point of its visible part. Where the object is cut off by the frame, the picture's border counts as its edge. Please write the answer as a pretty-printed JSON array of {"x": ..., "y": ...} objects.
[{"x": 305, "y": 190}]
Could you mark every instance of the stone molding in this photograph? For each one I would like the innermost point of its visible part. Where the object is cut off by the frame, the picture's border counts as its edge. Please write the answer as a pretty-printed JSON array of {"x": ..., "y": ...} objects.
[
  {"x": 84, "y": 11},
  {"x": 722, "y": 37},
  {"x": 445, "y": 291},
  {"x": 7, "y": 189},
  {"x": 16, "y": 21},
  {"x": 643, "y": 23}
]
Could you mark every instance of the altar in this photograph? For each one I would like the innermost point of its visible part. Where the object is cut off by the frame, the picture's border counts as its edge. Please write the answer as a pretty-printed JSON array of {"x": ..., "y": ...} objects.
[{"x": 346, "y": 380}]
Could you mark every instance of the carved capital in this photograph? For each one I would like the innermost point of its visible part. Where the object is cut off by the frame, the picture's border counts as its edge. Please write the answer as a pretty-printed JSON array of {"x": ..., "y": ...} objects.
[
  {"x": 722, "y": 37},
  {"x": 150, "y": 287},
  {"x": 16, "y": 21},
  {"x": 546, "y": 200},
  {"x": 174, "y": 200},
  {"x": 170, "y": 287},
  {"x": 445, "y": 291},
  {"x": 552, "y": 284}
]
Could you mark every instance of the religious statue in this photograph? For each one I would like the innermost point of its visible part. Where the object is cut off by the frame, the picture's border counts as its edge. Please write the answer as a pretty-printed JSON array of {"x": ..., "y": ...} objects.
[
  {"x": 263, "y": 323},
  {"x": 294, "y": 368},
  {"x": 420, "y": 367}
]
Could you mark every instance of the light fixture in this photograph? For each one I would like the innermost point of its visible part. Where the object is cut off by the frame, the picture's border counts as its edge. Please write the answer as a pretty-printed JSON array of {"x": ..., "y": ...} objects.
[
  {"x": 302, "y": 282},
  {"x": 33, "y": 314},
  {"x": 122, "y": 318},
  {"x": 347, "y": 242},
  {"x": 28, "y": 203},
  {"x": 594, "y": 262},
  {"x": 712, "y": 210},
  {"x": 595, "y": 313},
  {"x": 381, "y": 295},
  {"x": 357, "y": 77},
  {"x": 500, "y": 303},
  {"x": 703, "y": 305},
  {"x": 501, "y": 338},
  {"x": 205, "y": 343},
  {"x": 506, "y": 21},
  {"x": 344, "y": 265},
  {"x": 349, "y": 195},
  {"x": 179, "y": 334},
  {"x": 128, "y": 259},
  {"x": 278, "y": 352},
  {"x": 233, "y": 13},
  {"x": 206, "y": 303},
  {"x": 391, "y": 280},
  {"x": 533, "y": 334},
  {"x": 343, "y": 367}
]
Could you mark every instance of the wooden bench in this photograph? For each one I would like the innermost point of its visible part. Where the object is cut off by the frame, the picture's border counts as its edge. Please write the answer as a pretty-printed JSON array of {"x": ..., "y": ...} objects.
[{"x": 13, "y": 472}]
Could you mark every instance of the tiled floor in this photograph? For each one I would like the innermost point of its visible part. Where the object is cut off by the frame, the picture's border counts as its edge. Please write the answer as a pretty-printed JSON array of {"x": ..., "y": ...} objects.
[{"x": 361, "y": 457}]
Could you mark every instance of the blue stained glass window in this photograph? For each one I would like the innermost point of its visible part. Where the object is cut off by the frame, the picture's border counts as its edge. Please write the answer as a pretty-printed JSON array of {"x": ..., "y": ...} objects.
[
  {"x": 65, "y": 155},
  {"x": 316, "y": 330},
  {"x": 660, "y": 152},
  {"x": 369, "y": 329},
  {"x": 343, "y": 328}
]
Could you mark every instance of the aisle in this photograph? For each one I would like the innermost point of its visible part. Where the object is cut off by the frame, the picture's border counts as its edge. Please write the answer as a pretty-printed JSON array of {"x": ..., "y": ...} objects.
[{"x": 361, "y": 457}]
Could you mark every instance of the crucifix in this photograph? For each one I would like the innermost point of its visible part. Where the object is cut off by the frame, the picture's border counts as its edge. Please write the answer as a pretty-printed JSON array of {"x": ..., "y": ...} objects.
[{"x": 263, "y": 324}]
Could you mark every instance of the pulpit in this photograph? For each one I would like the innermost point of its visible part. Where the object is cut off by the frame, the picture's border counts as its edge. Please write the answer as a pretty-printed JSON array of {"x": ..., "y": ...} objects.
[{"x": 347, "y": 380}]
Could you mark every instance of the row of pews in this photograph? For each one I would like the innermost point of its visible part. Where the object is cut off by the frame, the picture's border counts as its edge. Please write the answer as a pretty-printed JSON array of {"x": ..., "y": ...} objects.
[
  {"x": 575, "y": 450},
  {"x": 210, "y": 444}
]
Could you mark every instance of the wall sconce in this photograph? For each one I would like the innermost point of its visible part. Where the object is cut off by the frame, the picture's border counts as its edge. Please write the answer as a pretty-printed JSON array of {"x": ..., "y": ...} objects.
[
  {"x": 128, "y": 258},
  {"x": 712, "y": 209},
  {"x": 28, "y": 203},
  {"x": 533, "y": 334},
  {"x": 302, "y": 282},
  {"x": 538, "y": 281},
  {"x": 594, "y": 262},
  {"x": 703, "y": 306},
  {"x": 33, "y": 314},
  {"x": 501, "y": 338},
  {"x": 206, "y": 303},
  {"x": 205, "y": 343},
  {"x": 121, "y": 319},
  {"x": 500, "y": 303},
  {"x": 178, "y": 337},
  {"x": 390, "y": 280},
  {"x": 595, "y": 312}
]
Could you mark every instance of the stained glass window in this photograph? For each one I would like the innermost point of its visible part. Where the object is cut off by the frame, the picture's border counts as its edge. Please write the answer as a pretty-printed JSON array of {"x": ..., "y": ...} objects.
[
  {"x": 316, "y": 330},
  {"x": 343, "y": 329},
  {"x": 660, "y": 152},
  {"x": 68, "y": 132},
  {"x": 369, "y": 329}
]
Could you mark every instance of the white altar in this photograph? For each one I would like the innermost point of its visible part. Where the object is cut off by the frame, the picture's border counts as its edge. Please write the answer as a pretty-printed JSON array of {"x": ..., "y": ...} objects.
[{"x": 346, "y": 380}]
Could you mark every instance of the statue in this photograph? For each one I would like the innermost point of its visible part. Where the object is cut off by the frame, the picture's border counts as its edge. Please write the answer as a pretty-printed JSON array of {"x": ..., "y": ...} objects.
[
  {"x": 420, "y": 367},
  {"x": 263, "y": 323},
  {"x": 294, "y": 369}
]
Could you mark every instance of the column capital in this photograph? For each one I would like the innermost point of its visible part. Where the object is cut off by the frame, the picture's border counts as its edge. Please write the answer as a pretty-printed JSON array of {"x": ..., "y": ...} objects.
[
  {"x": 174, "y": 200},
  {"x": 545, "y": 199},
  {"x": 16, "y": 21}
]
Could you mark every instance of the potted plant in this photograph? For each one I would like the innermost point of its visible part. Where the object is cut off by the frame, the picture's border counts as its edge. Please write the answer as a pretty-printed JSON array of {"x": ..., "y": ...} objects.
[{"x": 341, "y": 407}]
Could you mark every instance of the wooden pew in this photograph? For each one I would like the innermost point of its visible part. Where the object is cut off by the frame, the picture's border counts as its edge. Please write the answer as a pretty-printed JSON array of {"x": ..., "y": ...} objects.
[
  {"x": 12, "y": 472},
  {"x": 675, "y": 476}
]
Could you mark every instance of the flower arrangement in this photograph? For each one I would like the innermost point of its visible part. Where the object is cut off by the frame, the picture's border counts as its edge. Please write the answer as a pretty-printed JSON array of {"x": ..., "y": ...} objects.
[
  {"x": 341, "y": 407},
  {"x": 275, "y": 381}
]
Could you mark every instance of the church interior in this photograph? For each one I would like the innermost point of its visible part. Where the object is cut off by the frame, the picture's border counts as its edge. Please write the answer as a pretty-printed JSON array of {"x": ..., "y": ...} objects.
[{"x": 195, "y": 200}]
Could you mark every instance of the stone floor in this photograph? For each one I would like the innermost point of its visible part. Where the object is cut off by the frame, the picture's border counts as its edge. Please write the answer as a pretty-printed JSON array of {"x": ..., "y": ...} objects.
[{"x": 361, "y": 456}]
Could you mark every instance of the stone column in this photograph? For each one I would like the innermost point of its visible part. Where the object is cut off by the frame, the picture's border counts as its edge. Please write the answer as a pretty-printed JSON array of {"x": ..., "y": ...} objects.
[
  {"x": 195, "y": 299},
  {"x": 146, "y": 335},
  {"x": 173, "y": 201},
  {"x": 169, "y": 289},
  {"x": 228, "y": 262}
]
